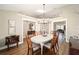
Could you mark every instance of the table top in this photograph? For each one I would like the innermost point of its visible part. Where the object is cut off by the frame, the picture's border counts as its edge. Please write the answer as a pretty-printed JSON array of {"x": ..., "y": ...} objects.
[{"x": 41, "y": 39}]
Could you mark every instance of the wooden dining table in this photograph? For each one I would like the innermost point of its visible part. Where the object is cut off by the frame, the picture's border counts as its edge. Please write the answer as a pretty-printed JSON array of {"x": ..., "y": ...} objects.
[{"x": 40, "y": 39}]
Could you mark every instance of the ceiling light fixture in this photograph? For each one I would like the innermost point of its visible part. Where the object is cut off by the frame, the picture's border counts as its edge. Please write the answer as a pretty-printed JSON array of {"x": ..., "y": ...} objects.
[
  {"x": 41, "y": 11},
  {"x": 44, "y": 20}
]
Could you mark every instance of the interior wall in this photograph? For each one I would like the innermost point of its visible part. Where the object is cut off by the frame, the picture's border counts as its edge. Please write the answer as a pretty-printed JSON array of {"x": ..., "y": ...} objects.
[
  {"x": 26, "y": 27},
  {"x": 69, "y": 12},
  {"x": 9, "y": 15},
  {"x": 4, "y": 17},
  {"x": 72, "y": 16}
]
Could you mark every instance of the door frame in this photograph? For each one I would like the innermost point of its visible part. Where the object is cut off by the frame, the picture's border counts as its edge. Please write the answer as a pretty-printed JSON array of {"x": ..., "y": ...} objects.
[
  {"x": 61, "y": 20},
  {"x": 24, "y": 19}
]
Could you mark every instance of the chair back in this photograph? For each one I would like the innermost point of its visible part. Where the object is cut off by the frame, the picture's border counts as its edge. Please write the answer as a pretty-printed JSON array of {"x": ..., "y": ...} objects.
[
  {"x": 29, "y": 42},
  {"x": 54, "y": 40},
  {"x": 29, "y": 45},
  {"x": 34, "y": 33}
]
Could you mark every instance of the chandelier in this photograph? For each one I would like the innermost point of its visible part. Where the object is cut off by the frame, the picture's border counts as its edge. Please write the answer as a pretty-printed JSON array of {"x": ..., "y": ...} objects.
[{"x": 44, "y": 21}]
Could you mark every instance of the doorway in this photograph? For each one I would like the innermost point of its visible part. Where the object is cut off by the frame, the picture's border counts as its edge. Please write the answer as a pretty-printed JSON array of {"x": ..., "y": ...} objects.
[
  {"x": 28, "y": 26},
  {"x": 61, "y": 26}
]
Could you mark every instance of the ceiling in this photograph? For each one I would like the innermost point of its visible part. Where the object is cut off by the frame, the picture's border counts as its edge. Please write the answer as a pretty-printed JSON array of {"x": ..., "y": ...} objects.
[{"x": 30, "y": 9}]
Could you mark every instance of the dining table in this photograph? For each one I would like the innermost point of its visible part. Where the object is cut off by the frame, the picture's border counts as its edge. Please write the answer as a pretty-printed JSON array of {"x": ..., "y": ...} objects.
[{"x": 41, "y": 39}]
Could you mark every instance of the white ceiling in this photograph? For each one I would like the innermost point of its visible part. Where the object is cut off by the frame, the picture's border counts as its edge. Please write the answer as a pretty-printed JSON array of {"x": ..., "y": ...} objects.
[{"x": 30, "y": 9}]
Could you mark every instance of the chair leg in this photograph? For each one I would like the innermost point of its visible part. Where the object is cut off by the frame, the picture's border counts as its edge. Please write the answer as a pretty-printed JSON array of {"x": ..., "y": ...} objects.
[
  {"x": 17, "y": 44},
  {"x": 53, "y": 50},
  {"x": 30, "y": 52},
  {"x": 50, "y": 51},
  {"x": 57, "y": 48},
  {"x": 8, "y": 46}
]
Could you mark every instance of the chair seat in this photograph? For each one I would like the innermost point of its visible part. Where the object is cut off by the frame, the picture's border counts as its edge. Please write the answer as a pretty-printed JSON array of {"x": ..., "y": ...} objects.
[
  {"x": 35, "y": 46},
  {"x": 47, "y": 45}
]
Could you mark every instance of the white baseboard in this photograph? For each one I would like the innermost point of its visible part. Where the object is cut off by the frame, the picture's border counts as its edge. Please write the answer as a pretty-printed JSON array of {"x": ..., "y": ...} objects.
[{"x": 1, "y": 48}]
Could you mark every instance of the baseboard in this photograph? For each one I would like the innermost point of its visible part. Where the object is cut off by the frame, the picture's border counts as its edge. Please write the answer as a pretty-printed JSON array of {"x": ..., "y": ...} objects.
[{"x": 1, "y": 48}]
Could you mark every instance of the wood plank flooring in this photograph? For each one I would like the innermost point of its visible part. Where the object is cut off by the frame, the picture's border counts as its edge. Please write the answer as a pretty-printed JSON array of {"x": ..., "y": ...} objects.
[{"x": 23, "y": 50}]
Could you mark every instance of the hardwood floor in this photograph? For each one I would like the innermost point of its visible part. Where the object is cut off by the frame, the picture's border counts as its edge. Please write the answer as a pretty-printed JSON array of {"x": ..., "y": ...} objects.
[
  {"x": 23, "y": 50},
  {"x": 64, "y": 49},
  {"x": 74, "y": 51}
]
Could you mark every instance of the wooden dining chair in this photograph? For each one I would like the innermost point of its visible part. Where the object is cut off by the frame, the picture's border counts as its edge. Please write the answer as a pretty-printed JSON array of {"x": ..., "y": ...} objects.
[
  {"x": 32, "y": 47},
  {"x": 53, "y": 45}
]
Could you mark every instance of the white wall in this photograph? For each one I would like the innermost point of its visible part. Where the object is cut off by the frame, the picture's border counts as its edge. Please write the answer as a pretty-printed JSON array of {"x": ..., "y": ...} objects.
[
  {"x": 69, "y": 12},
  {"x": 8, "y": 15},
  {"x": 29, "y": 19},
  {"x": 72, "y": 16},
  {"x": 4, "y": 17}
]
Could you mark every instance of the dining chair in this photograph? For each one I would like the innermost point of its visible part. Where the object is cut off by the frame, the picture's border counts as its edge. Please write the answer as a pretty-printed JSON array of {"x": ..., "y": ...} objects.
[
  {"x": 53, "y": 44},
  {"x": 32, "y": 47}
]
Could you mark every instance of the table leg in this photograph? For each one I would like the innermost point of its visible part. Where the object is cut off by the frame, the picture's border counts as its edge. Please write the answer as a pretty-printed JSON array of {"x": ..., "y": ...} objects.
[{"x": 41, "y": 49}]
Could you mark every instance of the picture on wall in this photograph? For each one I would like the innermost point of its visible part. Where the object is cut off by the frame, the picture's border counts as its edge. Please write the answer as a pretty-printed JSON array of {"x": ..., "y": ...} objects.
[{"x": 11, "y": 27}]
